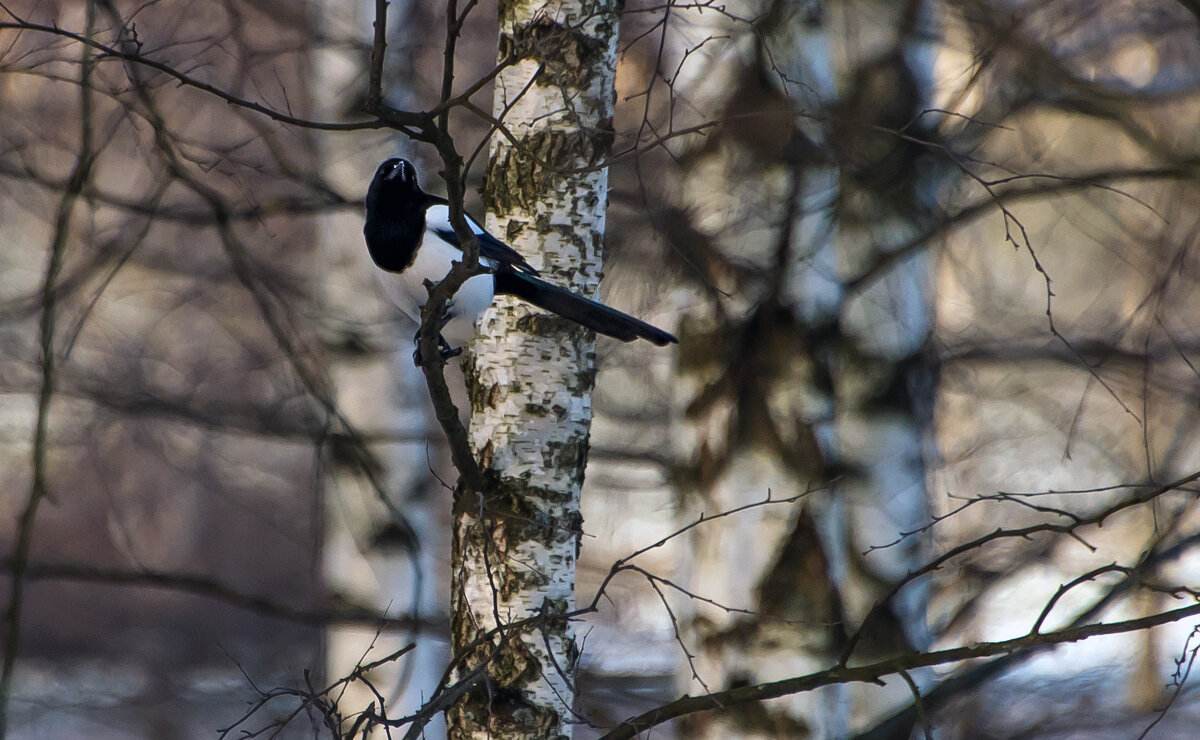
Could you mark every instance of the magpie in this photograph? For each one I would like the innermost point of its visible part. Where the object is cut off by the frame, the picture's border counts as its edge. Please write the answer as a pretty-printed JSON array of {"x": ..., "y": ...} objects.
[{"x": 408, "y": 234}]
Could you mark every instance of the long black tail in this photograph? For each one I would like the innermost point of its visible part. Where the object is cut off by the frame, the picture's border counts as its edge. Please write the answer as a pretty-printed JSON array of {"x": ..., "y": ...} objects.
[{"x": 595, "y": 316}]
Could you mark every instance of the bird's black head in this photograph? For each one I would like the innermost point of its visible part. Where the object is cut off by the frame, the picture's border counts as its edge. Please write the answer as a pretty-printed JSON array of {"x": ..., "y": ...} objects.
[
  {"x": 395, "y": 214},
  {"x": 397, "y": 177}
]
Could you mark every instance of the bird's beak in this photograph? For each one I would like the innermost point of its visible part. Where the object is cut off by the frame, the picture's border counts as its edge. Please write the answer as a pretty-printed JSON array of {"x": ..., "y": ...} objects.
[{"x": 397, "y": 172}]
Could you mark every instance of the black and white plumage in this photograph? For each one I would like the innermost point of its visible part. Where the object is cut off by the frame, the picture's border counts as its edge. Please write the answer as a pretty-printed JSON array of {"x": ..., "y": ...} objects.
[{"x": 408, "y": 234}]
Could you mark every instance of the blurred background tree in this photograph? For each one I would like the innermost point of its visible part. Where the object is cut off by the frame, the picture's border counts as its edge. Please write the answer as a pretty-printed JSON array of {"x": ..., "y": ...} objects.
[{"x": 930, "y": 264}]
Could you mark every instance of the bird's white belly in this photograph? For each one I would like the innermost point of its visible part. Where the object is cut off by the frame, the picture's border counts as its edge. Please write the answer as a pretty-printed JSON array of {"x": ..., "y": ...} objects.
[{"x": 407, "y": 290}]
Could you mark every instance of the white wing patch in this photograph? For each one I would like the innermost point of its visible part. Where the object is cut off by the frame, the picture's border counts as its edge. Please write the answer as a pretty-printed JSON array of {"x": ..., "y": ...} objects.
[{"x": 437, "y": 217}]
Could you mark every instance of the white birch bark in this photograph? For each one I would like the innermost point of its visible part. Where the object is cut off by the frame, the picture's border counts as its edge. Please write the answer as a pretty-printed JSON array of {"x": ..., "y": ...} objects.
[{"x": 531, "y": 375}]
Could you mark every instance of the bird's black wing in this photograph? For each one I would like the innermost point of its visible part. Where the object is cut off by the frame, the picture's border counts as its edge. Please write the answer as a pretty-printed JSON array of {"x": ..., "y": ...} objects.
[{"x": 437, "y": 220}]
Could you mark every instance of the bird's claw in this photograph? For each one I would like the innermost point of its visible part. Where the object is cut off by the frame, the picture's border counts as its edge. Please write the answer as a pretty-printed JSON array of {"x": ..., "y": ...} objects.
[{"x": 444, "y": 350}]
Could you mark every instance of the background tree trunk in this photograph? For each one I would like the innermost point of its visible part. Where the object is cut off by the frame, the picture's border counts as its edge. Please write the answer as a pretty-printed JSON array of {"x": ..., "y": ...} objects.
[
  {"x": 818, "y": 396},
  {"x": 370, "y": 558}
]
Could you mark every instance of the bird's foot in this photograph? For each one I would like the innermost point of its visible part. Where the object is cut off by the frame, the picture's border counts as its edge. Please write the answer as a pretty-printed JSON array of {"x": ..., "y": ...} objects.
[{"x": 444, "y": 350}]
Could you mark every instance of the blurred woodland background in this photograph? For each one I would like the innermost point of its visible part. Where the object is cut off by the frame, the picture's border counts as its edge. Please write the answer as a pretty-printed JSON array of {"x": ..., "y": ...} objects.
[{"x": 935, "y": 409}]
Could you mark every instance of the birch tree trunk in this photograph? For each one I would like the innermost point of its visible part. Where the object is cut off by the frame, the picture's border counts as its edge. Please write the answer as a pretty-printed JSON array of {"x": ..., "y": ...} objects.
[{"x": 530, "y": 375}]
